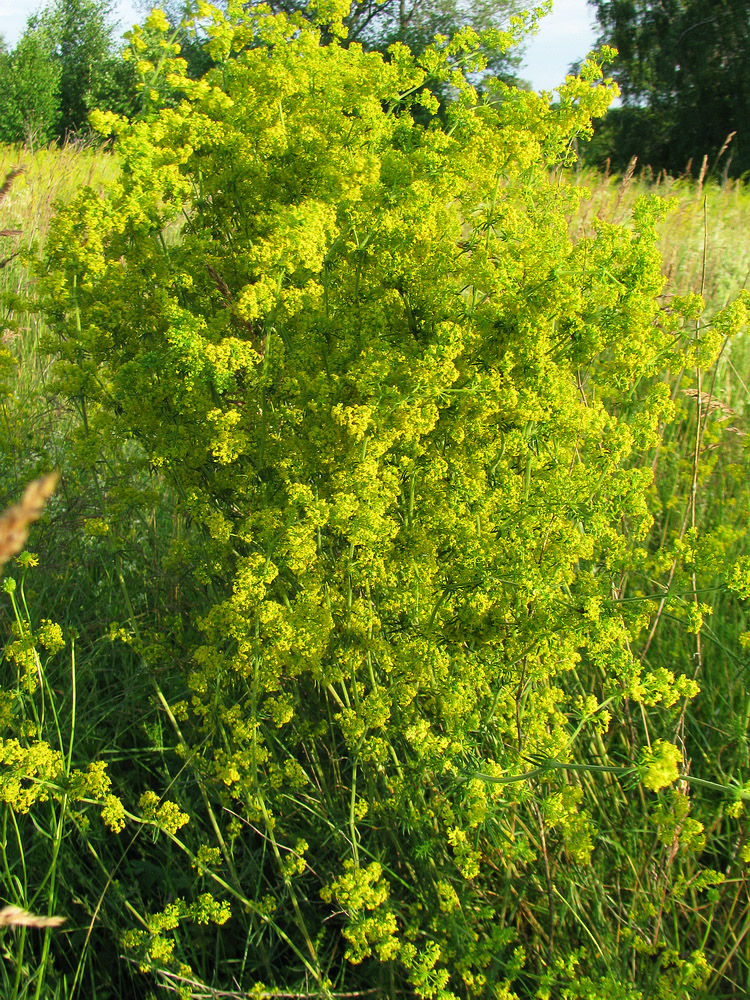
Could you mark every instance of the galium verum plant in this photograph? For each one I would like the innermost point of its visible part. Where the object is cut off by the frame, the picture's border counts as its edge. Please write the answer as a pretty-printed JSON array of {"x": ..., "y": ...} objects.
[{"x": 402, "y": 410}]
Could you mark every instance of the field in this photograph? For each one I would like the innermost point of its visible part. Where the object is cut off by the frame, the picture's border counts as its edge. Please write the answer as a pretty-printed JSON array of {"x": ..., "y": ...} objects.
[{"x": 645, "y": 891}]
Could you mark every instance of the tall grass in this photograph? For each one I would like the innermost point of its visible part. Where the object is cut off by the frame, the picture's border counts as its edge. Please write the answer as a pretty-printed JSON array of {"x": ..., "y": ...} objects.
[
  {"x": 703, "y": 459},
  {"x": 87, "y": 701},
  {"x": 31, "y": 418},
  {"x": 93, "y": 702}
]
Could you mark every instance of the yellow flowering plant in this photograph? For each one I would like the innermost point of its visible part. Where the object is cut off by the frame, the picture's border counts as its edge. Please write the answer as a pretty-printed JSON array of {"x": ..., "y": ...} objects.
[{"x": 400, "y": 409}]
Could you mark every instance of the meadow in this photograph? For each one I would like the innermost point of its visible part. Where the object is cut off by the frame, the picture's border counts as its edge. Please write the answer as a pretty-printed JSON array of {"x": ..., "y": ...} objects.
[{"x": 591, "y": 862}]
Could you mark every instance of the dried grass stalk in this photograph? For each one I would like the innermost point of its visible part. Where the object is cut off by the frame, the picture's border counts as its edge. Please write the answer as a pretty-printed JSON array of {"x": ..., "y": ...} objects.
[
  {"x": 14, "y": 523},
  {"x": 14, "y": 916},
  {"x": 709, "y": 402},
  {"x": 702, "y": 174},
  {"x": 9, "y": 178},
  {"x": 7, "y": 260}
]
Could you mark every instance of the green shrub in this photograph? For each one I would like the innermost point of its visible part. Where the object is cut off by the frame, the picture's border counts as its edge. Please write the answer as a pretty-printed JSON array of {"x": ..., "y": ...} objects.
[{"x": 400, "y": 410}]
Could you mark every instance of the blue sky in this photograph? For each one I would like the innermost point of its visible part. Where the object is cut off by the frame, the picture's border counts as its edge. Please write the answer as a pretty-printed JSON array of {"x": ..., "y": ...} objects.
[{"x": 565, "y": 36}]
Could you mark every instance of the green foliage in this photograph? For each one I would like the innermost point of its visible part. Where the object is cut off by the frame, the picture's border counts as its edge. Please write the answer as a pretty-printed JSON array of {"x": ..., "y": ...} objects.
[
  {"x": 399, "y": 417},
  {"x": 377, "y": 25},
  {"x": 65, "y": 64},
  {"x": 30, "y": 87},
  {"x": 83, "y": 41},
  {"x": 683, "y": 70},
  {"x": 92, "y": 74},
  {"x": 600, "y": 886}
]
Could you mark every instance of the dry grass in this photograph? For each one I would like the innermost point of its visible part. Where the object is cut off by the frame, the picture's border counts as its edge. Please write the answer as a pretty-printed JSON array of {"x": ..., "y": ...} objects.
[
  {"x": 703, "y": 242},
  {"x": 14, "y": 916},
  {"x": 15, "y": 522},
  {"x": 4, "y": 189},
  {"x": 33, "y": 183}
]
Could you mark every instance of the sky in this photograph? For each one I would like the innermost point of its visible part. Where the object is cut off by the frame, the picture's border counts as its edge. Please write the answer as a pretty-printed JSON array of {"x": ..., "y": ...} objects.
[{"x": 564, "y": 37}]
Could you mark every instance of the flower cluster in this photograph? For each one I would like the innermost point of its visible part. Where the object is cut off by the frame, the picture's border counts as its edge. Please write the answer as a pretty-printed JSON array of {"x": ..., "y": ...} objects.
[{"x": 401, "y": 408}]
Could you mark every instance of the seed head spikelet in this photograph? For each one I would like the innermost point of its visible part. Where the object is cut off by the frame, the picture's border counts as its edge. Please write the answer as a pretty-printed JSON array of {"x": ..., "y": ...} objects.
[
  {"x": 6, "y": 186},
  {"x": 9, "y": 178},
  {"x": 14, "y": 523},
  {"x": 14, "y": 916}
]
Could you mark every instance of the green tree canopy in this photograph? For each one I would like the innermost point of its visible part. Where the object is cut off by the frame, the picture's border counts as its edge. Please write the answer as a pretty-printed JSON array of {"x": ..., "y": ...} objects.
[
  {"x": 92, "y": 73},
  {"x": 30, "y": 87},
  {"x": 685, "y": 76},
  {"x": 66, "y": 63}
]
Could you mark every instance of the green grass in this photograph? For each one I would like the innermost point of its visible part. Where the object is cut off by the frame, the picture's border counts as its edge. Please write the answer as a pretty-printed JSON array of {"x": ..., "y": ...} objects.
[{"x": 33, "y": 424}]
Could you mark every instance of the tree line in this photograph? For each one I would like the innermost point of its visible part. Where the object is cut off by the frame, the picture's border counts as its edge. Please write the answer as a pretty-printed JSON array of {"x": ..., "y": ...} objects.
[
  {"x": 684, "y": 71},
  {"x": 67, "y": 62}
]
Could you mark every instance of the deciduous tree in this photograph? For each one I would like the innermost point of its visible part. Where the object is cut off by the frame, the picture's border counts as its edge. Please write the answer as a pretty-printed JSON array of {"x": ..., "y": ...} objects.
[
  {"x": 684, "y": 70},
  {"x": 30, "y": 87}
]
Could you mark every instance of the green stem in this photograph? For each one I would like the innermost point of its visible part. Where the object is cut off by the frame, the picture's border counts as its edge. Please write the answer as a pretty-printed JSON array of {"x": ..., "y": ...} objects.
[{"x": 625, "y": 771}]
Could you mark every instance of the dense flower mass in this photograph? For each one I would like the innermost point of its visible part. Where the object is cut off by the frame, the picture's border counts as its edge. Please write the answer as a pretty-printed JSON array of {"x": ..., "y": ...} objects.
[{"x": 401, "y": 409}]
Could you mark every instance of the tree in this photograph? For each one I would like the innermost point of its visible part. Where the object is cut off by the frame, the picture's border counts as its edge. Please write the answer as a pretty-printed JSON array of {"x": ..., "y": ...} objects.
[
  {"x": 30, "y": 86},
  {"x": 91, "y": 74},
  {"x": 65, "y": 64},
  {"x": 684, "y": 70}
]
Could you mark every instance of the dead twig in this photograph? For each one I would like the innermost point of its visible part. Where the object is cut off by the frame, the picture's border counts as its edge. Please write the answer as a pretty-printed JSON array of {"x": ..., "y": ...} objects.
[
  {"x": 256, "y": 339},
  {"x": 8, "y": 182}
]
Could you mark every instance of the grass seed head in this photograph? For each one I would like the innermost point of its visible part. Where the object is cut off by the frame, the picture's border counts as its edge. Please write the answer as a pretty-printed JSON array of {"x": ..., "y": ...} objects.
[
  {"x": 14, "y": 916},
  {"x": 14, "y": 523},
  {"x": 7, "y": 183}
]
